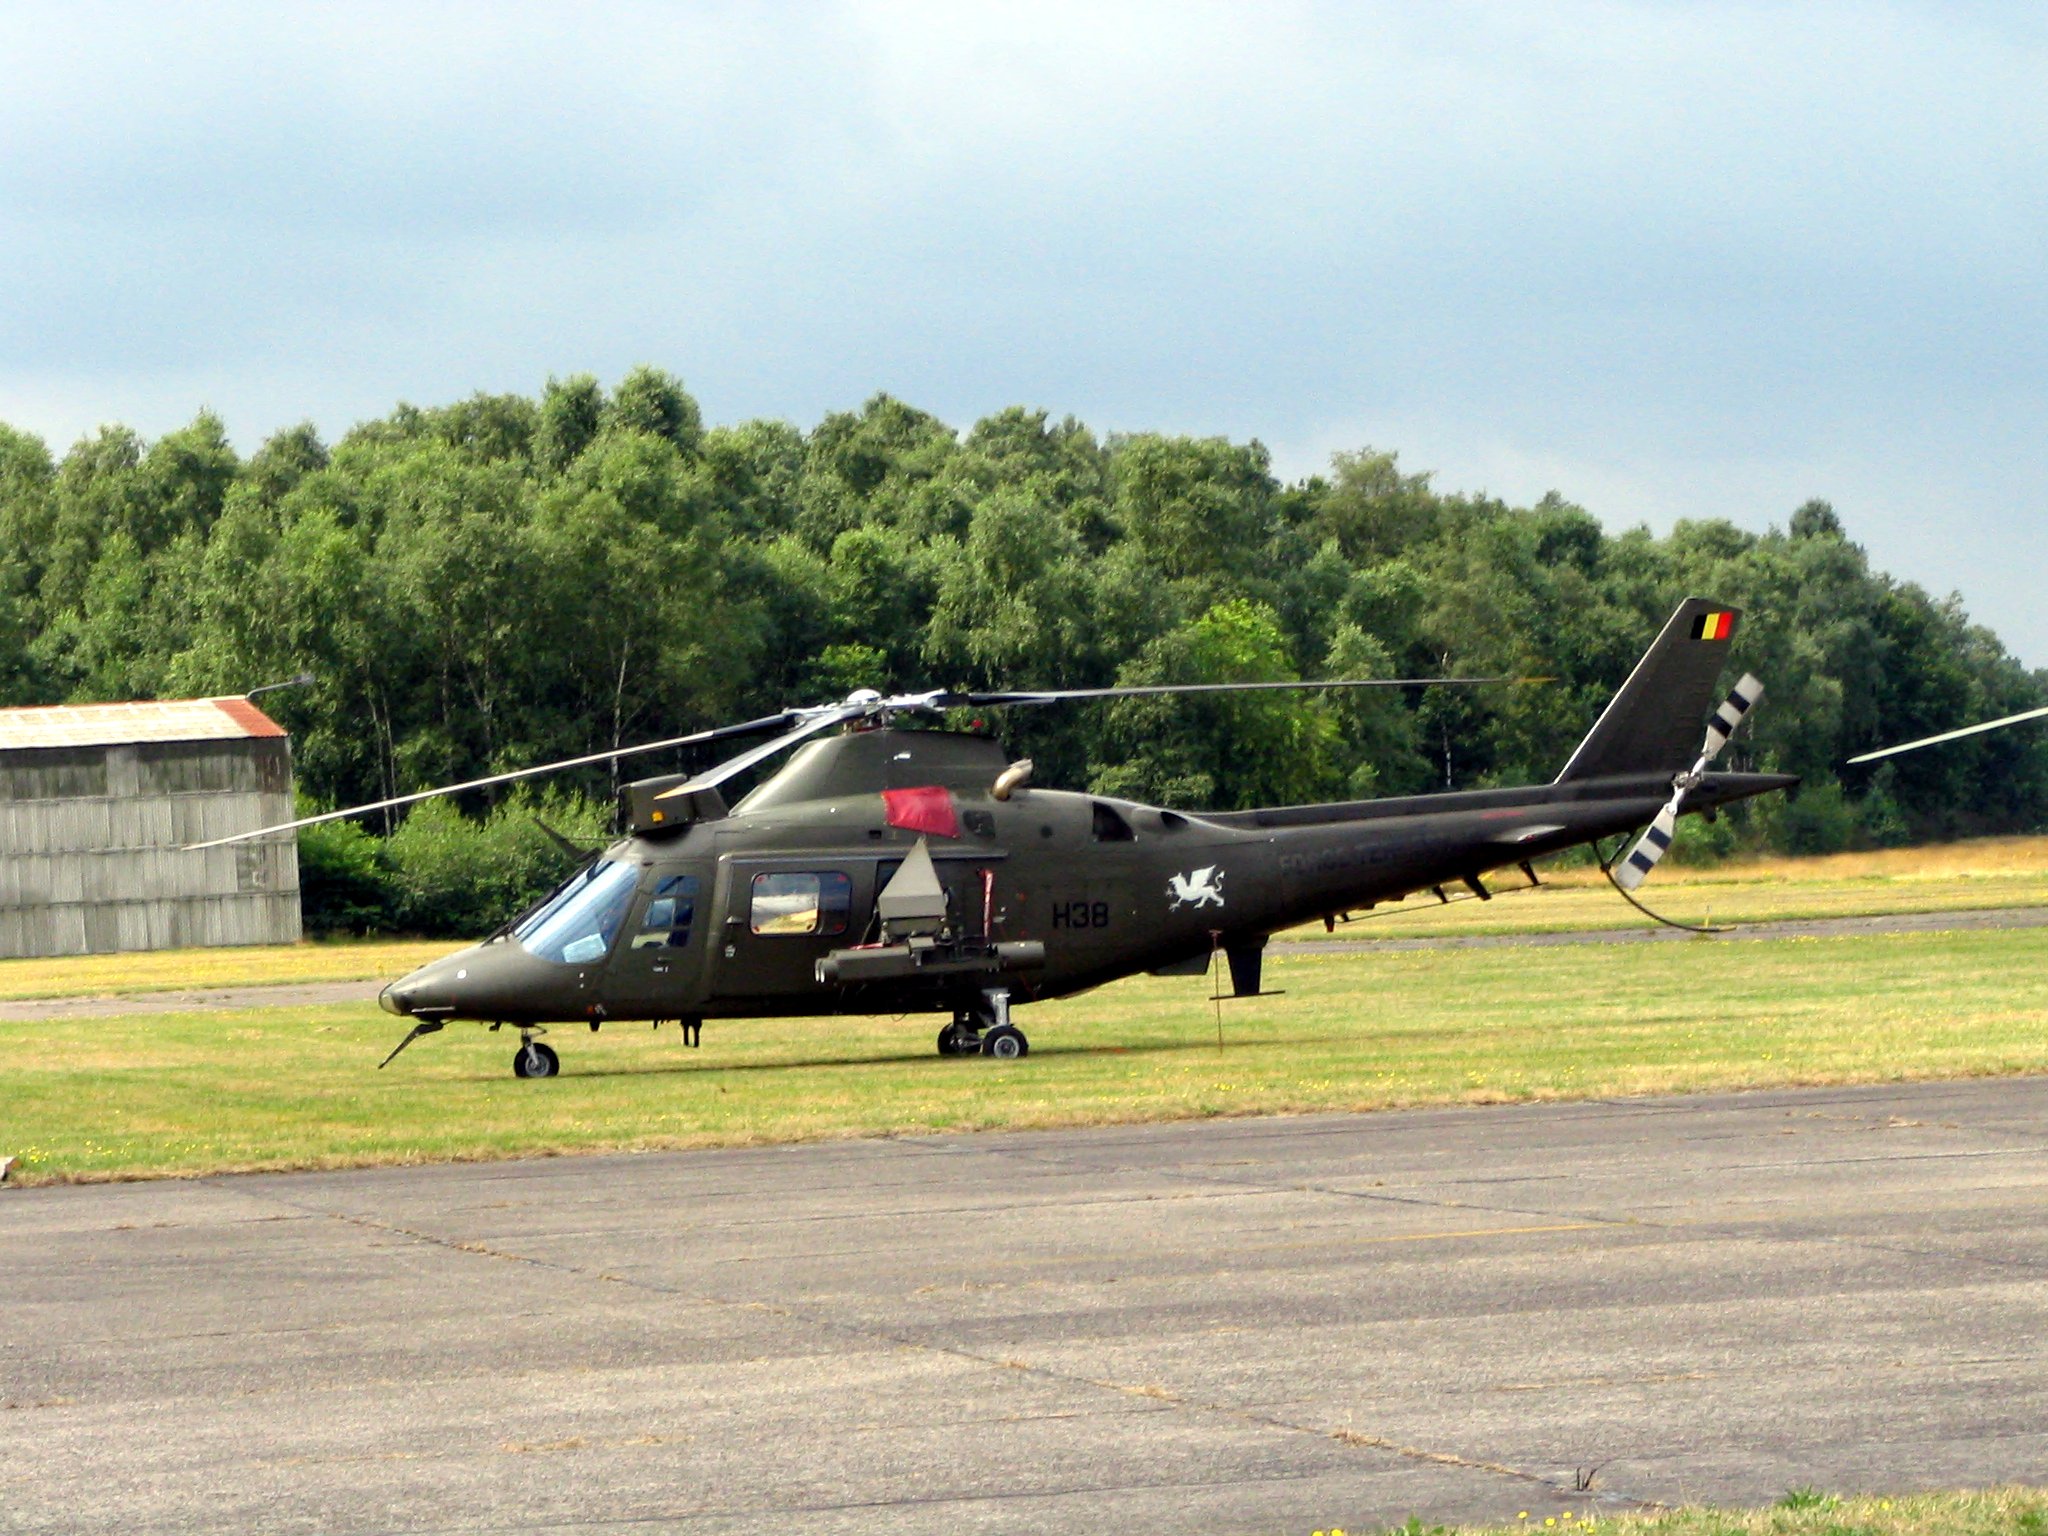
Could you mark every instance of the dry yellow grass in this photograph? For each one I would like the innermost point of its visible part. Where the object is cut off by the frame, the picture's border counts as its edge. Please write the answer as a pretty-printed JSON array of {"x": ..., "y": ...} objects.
[
  {"x": 1977, "y": 856},
  {"x": 1969, "y": 876}
]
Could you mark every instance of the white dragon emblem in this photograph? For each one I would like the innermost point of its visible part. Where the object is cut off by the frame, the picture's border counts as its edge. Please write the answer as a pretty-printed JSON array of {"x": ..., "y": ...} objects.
[{"x": 1203, "y": 888}]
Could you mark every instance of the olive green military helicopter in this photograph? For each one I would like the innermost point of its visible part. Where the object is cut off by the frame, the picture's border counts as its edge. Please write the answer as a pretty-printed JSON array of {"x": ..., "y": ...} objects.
[{"x": 888, "y": 870}]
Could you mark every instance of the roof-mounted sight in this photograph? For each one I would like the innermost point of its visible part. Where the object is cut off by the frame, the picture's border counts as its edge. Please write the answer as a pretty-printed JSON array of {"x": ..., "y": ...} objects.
[{"x": 650, "y": 807}]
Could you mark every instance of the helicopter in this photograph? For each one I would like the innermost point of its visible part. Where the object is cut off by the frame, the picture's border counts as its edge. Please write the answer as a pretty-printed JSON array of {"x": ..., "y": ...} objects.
[{"x": 889, "y": 870}]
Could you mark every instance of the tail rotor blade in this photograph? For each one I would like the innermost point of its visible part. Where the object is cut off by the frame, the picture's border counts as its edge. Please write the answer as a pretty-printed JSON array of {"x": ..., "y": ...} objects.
[
  {"x": 1642, "y": 858},
  {"x": 1740, "y": 701}
]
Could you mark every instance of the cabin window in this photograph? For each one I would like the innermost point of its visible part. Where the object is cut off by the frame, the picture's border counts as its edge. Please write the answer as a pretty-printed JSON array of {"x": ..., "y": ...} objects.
[
  {"x": 799, "y": 903},
  {"x": 666, "y": 922},
  {"x": 580, "y": 921}
]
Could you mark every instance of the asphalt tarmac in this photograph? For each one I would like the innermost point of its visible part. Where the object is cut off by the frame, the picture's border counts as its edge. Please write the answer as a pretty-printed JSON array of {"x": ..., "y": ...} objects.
[{"x": 1261, "y": 1325}]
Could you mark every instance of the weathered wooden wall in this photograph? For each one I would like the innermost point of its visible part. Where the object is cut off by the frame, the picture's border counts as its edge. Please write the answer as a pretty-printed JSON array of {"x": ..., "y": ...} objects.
[{"x": 91, "y": 847}]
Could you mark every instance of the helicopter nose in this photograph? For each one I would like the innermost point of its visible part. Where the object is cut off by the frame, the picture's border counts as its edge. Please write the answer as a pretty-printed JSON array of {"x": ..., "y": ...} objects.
[
  {"x": 485, "y": 982},
  {"x": 432, "y": 991}
]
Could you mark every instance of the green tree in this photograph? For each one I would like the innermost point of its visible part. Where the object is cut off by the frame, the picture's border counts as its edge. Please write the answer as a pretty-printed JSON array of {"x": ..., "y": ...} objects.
[
  {"x": 881, "y": 465},
  {"x": 1195, "y": 507},
  {"x": 755, "y": 470},
  {"x": 572, "y": 411},
  {"x": 184, "y": 478},
  {"x": 1375, "y": 512},
  {"x": 638, "y": 624},
  {"x": 490, "y": 428},
  {"x": 651, "y": 401},
  {"x": 285, "y": 458}
]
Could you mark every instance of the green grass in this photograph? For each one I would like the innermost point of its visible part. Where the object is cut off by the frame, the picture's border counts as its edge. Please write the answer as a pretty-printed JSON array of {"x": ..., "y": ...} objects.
[
  {"x": 1996, "y": 1512},
  {"x": 137, "y": 1096}
]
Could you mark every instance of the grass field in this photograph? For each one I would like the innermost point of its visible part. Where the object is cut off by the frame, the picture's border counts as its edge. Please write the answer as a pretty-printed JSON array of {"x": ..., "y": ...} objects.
[
  {"x": 1997, "y": 1512},
  {"x": 142, "y": 1095}
]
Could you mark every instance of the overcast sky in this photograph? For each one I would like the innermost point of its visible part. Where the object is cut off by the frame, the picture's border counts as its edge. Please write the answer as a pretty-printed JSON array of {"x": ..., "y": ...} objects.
[{"x": 1677, "y": 260}]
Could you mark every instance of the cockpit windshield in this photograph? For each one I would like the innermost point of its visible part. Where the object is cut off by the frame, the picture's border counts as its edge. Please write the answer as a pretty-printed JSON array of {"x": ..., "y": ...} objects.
[{"x": 580, "y": 920}]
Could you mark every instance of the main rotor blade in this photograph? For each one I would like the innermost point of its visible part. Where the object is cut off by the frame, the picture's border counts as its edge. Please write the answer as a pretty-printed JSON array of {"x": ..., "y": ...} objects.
[
  {"x": 820, "y": 720},
  {"x": 695, "y": 738},
  {"x": 1057, "y": 695},
  {"x": 1968, "y": 730}
]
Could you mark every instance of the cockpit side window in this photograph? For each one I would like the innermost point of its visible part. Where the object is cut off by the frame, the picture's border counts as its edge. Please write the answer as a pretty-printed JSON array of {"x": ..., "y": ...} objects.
[
  {"x": 666, "y": 922},
  {"x": 579, "y": 924}
]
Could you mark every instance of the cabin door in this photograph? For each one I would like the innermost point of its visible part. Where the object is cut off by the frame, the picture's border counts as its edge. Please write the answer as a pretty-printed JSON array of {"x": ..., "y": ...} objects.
[{"x": 657, "y": 970}]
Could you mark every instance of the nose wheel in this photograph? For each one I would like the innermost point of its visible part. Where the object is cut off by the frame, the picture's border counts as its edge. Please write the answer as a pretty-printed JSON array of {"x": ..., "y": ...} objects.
[{"x": 534, "y": 1059}]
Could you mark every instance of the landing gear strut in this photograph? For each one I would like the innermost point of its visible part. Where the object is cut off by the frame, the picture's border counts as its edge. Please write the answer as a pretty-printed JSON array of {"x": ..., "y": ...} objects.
[
  {"x": 984, "y": 1030},
  {"x": 534, "y": 1059}
]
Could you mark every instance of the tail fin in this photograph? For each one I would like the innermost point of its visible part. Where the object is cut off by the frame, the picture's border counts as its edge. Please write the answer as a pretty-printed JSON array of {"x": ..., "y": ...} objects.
[{"x": 1653, "y": 725}]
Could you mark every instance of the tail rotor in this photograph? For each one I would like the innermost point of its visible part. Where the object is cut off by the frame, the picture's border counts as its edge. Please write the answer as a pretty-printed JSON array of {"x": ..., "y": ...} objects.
[{"x": 1651, "y": 846}]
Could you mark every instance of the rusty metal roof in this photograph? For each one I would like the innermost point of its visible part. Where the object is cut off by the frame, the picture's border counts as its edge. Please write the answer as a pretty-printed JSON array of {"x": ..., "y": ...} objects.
[{"x": 112, "y": 725}]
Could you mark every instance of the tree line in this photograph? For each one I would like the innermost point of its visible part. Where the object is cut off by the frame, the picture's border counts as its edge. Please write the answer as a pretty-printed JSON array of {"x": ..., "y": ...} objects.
[{"x": 509, "y": 579}]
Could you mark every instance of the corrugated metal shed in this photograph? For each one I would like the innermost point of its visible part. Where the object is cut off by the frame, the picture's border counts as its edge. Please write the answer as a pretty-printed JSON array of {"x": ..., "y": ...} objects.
[{"x": 97, "y": 803}]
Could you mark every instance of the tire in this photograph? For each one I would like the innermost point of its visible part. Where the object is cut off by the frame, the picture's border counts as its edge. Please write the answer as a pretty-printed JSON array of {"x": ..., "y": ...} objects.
[
  {"x": 1005, "y": 1044},
  {"x": 535, "y": 1060}
]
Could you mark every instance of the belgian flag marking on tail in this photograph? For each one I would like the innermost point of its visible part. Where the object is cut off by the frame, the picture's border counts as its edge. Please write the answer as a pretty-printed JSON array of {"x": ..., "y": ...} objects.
[{"x": 1713, "y": 626}]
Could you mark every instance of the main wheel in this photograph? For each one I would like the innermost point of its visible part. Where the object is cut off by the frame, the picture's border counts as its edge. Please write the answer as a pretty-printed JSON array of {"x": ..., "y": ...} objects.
[
  {"x": 958, "y": 1039},
  {"x": 535, "y": 1060},
  {"x": 1005, "y": 1043}
]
